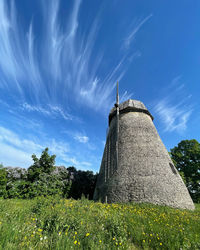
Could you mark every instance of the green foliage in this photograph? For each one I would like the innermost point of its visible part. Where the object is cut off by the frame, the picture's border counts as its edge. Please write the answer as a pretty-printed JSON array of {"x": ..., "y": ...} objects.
[
  {"x": 41, "y": 179},
  {"x": 83, "y": 183},
  {"x": 43, "y": 165},
  {"x": 16, "y": 185},
  {"x": 186, "y": 157},
  {"x": 17, "y": 189},
  {"x": 48, "y": 184},
  {"x": 54, "y": 223},
  {"x": 3, "y": 180}
]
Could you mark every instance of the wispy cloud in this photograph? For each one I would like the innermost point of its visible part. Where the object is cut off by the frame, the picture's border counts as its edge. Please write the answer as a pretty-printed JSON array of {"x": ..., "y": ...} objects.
[
  {"x": 136, "y": 26},
  {"x": 11, "y": 138},
  {"x": 125, "y": 96},
  {"x": 174, "y": 117},
  {"x": 59, "y": 66},
  {"x": 30, "y": 108},
  {"x": 21, "y": 150},
  {"x": 81, "y": 138},
  {"x": 174, "y": 109},
  {"x": 49, "y": 110}
]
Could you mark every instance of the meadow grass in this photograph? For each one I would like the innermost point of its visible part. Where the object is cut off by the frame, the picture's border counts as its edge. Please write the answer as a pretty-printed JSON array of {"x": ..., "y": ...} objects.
[{"x": 53, "y": 223}]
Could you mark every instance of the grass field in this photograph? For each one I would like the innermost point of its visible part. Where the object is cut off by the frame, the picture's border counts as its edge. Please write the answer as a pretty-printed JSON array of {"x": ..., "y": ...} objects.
[{"x": 51, "y": 223}]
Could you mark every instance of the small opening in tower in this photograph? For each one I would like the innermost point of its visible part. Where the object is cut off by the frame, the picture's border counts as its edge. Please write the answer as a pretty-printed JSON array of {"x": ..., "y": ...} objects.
[{"x": 172, "y": 168}]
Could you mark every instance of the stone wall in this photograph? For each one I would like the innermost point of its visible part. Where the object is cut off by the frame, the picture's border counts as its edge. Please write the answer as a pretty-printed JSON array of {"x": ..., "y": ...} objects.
[{"x": 145, "y": 171}]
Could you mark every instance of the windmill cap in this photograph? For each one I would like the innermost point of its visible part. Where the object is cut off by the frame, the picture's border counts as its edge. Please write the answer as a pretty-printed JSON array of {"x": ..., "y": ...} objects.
[{"x": 129, "y": 106}]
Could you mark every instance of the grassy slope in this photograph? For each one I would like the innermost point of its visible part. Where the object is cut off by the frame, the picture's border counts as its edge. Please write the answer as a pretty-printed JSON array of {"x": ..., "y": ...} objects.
[{"x": 67, "y": 224}]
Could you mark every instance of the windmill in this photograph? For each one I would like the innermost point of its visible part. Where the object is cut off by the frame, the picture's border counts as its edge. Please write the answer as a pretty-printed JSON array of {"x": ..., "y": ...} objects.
[{"x": 136, "y": 165}]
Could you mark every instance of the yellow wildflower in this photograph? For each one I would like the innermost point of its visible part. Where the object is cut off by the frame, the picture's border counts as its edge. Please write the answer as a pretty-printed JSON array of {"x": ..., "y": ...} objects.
[
  {"x": 100, "y": 241},
  {"x": 40, "y": 230},
  {"x": 75, "y": 242},
  {"x": 75, "y": 233},
  {"x": 114, "y": 238},
  {"x": 160, "y": 244},
  {"x": 87, "y": 234}
]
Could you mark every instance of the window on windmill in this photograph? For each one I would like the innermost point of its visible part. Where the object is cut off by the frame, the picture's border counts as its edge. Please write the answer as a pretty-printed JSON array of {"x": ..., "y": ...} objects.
[{"x": 172, "y": 168}]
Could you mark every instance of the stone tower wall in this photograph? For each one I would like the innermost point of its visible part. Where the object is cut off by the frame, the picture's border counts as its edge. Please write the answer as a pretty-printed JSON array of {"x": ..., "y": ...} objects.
[{"x": 145, "y": 171}]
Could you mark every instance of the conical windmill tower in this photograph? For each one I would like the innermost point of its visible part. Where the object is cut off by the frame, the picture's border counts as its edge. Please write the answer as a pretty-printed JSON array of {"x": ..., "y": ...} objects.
[{"x": 136, "y": 165}]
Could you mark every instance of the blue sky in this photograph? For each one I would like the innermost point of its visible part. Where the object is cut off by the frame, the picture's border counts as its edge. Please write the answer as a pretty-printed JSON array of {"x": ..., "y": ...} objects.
[{"x": 59, "y": 63}]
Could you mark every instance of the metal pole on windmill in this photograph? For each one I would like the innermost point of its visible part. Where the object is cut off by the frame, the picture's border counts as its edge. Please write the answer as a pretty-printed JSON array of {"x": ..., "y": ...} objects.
[{"x": 117, "y": 125}]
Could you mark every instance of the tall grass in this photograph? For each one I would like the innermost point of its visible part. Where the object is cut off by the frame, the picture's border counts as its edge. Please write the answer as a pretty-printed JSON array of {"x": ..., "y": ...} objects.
[{"x": 51, "y": 223}]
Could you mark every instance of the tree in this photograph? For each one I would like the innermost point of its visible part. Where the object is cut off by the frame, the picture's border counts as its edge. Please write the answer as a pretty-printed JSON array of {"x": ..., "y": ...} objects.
[
  {"x": 42, "y": 178},
  {"x": 3, "y": 180},
  {"x": 17, "y": 185},
  {"x": 186, "y": 157},
  {"x": 45, "y": 179},
  {"x": 83, "y": 183},
  {"x": 43, "y": 165}
]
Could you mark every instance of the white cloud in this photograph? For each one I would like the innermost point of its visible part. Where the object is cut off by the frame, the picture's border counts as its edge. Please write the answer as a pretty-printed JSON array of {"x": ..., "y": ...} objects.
[
  {"x": 11, "y": 138},
  {"x": 136, "y": 27},
  {"x": 125, "y": 96},
  {"x": 11, "y": 156},
  {"x": 59, "y": 66},
  {"x": 174, "y": 117},
  {"x": 174, "y": 109},
  {"x": 49, "y": 110},
  {"x": 17, "y": 151},
  {"x": 87, "y": 164},
  {"x": 81, "y": 138},
  {"x": 80, "y": 164},
  {"x": 59, "y": 111},
  {"x": 28, "y": 107}
]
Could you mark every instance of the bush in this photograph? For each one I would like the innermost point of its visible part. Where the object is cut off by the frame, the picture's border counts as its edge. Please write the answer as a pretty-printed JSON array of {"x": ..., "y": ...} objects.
[
  {"x": 3, "y": 181},
  {"x": 41, "y": 179}
]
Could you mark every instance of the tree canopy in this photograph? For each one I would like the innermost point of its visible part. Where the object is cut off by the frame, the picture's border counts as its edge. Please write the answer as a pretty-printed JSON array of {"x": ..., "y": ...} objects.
[
  {"x": 83, "y": 183},
  {"x": 186, "y": 157},
  {"x": 43, "y": 178},
  {"x": 3, "y": 180},
  {"x": 43, "y": 165}
]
